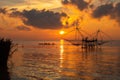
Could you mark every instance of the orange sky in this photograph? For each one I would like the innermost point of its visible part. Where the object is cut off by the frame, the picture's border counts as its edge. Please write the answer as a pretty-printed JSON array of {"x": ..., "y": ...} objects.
[{"x": 30, "y": 32}]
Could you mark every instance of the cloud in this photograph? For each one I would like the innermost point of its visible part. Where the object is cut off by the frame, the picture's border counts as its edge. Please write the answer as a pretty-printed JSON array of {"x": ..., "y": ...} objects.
[
  {"x": 3, "y": 10},
  {"x": 103, "y": 10},
  {"x": 23, "y": 28},
  {"x": 65, "y": 1},
  {"x": 105, "y": 7},
  {"x": 108, "y": 10},
  {"x": 44, "y": 19},
  {"x": 116, "y": 14},
  {"x": 81, "y": 4}
]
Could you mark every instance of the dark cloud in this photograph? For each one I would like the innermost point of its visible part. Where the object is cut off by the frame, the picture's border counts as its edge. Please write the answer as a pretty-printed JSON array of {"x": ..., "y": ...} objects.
[
  {"x": 15, "y": 13},
  {"x": 23, "y": 28},
  {"x": 44, "y": 19},
  {"x": 108, "y": 9},
  {"x": 103, "y": 10},
  {"x": 81, "y": 4},
  {"x": 65, "y": 1},
  {"x": 116, "y": 13},
  {"x": 3, "y": 10},
  {"x": 13, "y": 9}
]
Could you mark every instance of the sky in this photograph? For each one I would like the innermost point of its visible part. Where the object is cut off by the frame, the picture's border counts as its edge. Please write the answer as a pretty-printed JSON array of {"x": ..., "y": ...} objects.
[{"x": 43, "y": 19}]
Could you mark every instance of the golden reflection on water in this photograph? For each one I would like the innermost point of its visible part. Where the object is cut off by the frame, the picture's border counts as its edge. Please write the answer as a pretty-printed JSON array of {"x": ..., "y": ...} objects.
[
  {"x": 69, "y": 59},
  {"x": 61, "y": 52},
  {"x": 67, "y": 62},
  {"x": 86, "y": 64}
]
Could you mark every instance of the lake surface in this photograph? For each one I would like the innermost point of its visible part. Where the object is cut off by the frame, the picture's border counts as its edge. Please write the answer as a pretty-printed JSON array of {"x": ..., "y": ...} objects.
[{"x": 65, "y": 62}]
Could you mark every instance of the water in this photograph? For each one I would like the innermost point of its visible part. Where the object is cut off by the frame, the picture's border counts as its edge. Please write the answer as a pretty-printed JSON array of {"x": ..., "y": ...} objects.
[{"x": 65, "y": 62}]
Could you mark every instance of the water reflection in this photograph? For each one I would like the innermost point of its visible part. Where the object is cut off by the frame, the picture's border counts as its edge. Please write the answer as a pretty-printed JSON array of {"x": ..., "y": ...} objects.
[
  {"x": 61, "y": 52},
  {"x": 93, "y": 52},
  {"x": 66, "y": 62},
  {"x": 87, "y": 64}
]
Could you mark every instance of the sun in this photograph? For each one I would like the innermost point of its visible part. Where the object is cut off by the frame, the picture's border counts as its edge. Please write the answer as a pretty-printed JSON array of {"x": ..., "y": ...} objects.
[{"x": 62, "y": 32}]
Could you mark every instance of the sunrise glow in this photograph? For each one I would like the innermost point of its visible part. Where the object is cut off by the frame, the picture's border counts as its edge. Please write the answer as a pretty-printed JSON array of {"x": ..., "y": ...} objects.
[
  {"x": 62, "y": 32},
  {"x": 54, "y": 15},
  {"x": 60, "y": 39}
]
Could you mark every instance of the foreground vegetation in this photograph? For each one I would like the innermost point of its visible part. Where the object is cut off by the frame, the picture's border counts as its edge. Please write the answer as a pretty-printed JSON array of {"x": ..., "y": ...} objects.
[{"x": 5, "y": 50}]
